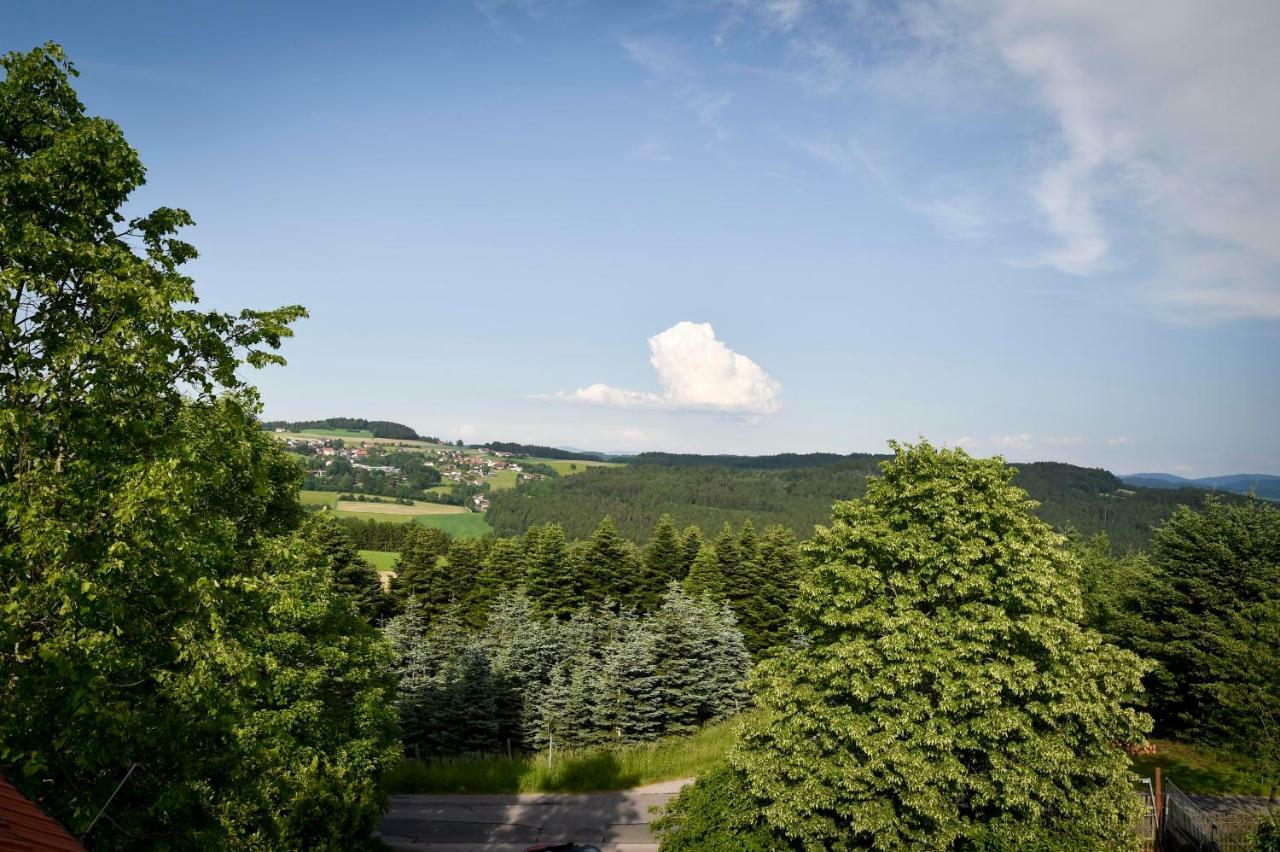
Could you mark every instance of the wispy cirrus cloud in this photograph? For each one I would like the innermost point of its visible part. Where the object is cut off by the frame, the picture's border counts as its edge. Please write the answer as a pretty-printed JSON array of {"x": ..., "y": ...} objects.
[{"x": 697, "y": 372}]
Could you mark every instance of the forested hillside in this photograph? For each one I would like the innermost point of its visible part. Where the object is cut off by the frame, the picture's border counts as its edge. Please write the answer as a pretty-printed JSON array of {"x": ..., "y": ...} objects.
[
  {"x": 541, "y": 452},
  {"x": 797, "y": 492},
  {"x": 379, "y": 428}
]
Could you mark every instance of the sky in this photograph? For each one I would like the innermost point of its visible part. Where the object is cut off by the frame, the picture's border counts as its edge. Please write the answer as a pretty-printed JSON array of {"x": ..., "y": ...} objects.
[{"x": 1046, "y": 231}]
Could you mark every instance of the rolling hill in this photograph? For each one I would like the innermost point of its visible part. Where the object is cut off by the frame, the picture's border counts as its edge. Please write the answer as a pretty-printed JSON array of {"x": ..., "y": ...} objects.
[{"x": 797, "y": 491}]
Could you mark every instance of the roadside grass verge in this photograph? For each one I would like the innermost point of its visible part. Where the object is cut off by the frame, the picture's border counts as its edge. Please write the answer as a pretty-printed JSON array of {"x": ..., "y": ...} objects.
[
  {"x": 1204, "y": 769},
  {"x": 590, "y": 770}
]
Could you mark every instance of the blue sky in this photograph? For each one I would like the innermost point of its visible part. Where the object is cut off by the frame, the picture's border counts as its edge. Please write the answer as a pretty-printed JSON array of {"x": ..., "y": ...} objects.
[{"x": 1048, "y": 232}]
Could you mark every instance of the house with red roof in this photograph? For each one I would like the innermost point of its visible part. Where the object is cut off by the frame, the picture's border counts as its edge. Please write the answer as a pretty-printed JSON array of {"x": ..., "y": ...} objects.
[{"x": 26, "y": 828}]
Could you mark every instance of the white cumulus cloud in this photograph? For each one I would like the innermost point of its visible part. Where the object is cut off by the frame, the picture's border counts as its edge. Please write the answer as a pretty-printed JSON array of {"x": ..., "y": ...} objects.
[{"x": 697, "y": 372}]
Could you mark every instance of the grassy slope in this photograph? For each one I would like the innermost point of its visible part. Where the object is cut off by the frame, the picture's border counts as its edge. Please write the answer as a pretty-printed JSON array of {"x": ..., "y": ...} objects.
[
  {"x": 578, "y": 771},
  {"x": 1202, "y": 769}
]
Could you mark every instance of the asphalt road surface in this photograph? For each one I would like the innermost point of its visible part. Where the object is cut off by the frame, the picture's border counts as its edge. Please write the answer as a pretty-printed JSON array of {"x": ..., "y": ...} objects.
[{"x": 616, "y": 822}]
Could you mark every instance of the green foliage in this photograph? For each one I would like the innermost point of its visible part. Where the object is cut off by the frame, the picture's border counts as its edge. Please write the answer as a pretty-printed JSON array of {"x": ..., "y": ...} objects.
[
  {"x": 945, "y": 695},
  {"x": 716, "y": 814},
  {"x": 164, "y": 610},
  {"x": 661, "y": 562},
  {"x": 1266, "y": 838}
]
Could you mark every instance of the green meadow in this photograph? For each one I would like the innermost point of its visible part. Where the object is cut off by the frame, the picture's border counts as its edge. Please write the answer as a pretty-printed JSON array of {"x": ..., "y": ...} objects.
[
  {"x": 383, "y": 560},
  {"x": 567, "y": 468}
]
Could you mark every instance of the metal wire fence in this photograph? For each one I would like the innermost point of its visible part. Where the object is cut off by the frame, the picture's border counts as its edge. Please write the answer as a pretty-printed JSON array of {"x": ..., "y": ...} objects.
[{"x": 1184, "y": 827}]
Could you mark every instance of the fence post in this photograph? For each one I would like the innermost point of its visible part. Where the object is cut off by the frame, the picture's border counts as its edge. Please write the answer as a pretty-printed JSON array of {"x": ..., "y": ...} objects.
[{"x": 1159, "y": 802}]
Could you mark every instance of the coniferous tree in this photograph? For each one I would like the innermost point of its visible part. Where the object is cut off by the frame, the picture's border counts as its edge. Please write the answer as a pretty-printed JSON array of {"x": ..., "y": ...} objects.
[
  {"x": 663, "y": 561},
  {"x": 629, "y": 705},
  {"x": 607, "y": 565},
  {"x": 503, "y": 569},
  {"x": 418, "y": 567},
  {"x": 522, "y": 651},
  {"x": 691, "y": 543},
  {"x": 1219, "y": 568},
  {"x": 705, "y": 577},
  {"x": 946, "y": 695},
  {"x": 549, "y": 575},
  {"x": 685, "y": 647},
  {"x": 352, "y": 575}
]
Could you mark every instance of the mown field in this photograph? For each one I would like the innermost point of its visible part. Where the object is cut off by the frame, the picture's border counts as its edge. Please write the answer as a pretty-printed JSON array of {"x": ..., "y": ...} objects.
[
  {"x": 567, "y": 468},
  {"x": 1206, "y": 770},
  {"x": 455, "y": 520},
  {"x": 419, "y": 507}
]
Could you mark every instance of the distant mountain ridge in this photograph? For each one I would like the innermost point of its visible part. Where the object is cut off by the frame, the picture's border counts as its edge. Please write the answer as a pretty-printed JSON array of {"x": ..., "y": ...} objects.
[{"x": 1265, "y": 485}]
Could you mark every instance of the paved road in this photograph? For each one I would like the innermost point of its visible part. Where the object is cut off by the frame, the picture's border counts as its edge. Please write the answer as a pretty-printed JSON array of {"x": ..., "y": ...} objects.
[{"x": 616, "y": 822}]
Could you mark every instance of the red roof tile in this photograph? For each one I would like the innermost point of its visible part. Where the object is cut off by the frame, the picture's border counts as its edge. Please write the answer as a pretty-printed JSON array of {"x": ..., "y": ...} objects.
[{"x": 26, "y": 828}]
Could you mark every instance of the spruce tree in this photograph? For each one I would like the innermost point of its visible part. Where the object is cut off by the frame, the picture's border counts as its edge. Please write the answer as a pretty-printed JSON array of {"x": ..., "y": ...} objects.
[
  {"x": 663, "y": 561},
  {"x": 629, "y": 706},
  {"x": 417, "y": 568},
  {"x": 608, "y": 565},
  {"x": 352, "y": 575},
  {"x": 691, "y": 542},
  {"x": 946, "y": 696},
  {"x": 549, "y": 575},
  {"x": 705, "y": 577},
  {"x": 685, "y": 647}
]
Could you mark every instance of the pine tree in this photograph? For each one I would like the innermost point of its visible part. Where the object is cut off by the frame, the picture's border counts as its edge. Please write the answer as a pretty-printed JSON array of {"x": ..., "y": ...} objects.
[
  {"x": 946, "y": 695},
  {"x": 503, "y": 568},
  {"x": 663, "y": 561},
  {"x": 522, "y": 651},
  {"x": 730, "y": 662}
]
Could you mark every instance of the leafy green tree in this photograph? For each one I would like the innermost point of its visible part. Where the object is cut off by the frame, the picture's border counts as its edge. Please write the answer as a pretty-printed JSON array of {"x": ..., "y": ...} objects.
[
  {"x": 166, "y": 617},
  {"x": 946, "y": 696}
]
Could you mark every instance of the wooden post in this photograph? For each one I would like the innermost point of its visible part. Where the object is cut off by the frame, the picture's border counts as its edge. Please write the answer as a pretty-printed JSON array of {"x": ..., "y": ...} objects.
[{"x": 1159, "y": 802}]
